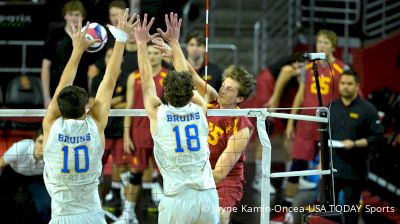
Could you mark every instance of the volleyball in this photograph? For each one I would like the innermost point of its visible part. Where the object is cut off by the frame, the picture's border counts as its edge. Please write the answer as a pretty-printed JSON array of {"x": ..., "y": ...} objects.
[{"x": 96, "y": 31}]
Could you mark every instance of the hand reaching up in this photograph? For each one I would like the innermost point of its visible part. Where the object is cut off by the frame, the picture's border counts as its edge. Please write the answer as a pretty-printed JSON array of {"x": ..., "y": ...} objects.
[
  {"x": 162, "y": 46},
  {"x": 142, "y": 34},
  {"x": 173, "y": 28},
  {"x": 79, "y": 40},
  {"x": 124, "y": 26}
]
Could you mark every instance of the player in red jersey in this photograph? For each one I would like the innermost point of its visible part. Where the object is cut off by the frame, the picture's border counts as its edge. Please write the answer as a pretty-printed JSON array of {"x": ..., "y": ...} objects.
[
  {"x": 306, "y": 136},
  {"x": 137, "y": 137},
  {"x": 228, "y": 136}
]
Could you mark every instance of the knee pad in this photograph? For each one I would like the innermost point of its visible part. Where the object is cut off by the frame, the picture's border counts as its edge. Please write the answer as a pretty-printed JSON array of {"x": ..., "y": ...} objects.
[
  {"x": 297, "y": 165},
  {"x": 135, "y": 178}
]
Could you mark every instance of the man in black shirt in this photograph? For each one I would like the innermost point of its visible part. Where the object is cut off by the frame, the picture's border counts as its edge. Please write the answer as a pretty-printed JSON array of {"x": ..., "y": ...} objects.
[
  {"x": 354, "y": 122},
  {"x": 58, "y": 48}
]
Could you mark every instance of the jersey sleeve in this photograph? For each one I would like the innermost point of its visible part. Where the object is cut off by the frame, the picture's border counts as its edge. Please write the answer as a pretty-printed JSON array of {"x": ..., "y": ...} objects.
[{"x": 11, "y": 155}]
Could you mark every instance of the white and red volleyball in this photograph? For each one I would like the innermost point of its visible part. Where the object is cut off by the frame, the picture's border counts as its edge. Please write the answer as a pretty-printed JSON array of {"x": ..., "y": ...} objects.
[{"x": 96, "y": 31}]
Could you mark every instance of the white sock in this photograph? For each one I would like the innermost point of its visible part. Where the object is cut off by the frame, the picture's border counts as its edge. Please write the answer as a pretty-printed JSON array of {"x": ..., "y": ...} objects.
[
  {"x": 288, "y": 165},
  {"x": 130, "y": 206},
  {"x": 146, "y": 185},
  {"x": 258, "y": 168},
  {"x": 116, "y": 184}
]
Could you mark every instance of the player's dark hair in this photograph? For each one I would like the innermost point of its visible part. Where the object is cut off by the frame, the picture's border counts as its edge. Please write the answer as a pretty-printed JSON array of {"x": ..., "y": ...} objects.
[
  {"x": 72, "y": 101},
  {"x": 178, "y": 88},
  {"x": 118, "y": 4},
  {"x": 197, "y": 35},
  {"x": 247, "y": 83},
  {"x": 352, "y": 73},
  {"x": 74, "y": 6}
]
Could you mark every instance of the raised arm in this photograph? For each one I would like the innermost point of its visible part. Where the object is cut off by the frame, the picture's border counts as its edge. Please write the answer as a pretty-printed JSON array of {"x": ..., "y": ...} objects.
[
  {"x": 179, "y": 60},
  {"x": 80, "y": 44},
  {"x": 200, "y": 85},
  {"x": 102, "y": 103},
  {"x": 150, "y": 98},
  {"x": 198, "y": 81}
]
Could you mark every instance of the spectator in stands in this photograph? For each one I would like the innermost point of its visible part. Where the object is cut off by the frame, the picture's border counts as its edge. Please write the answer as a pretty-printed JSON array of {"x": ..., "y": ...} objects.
[
  {"x": 129, "y": 64},
  {"x": 306, "y": 136},
  {"x": 195, "y": 46},
  {"x": 354, "y": 122},
  {"x": 57, "y": 49},
  {"x": 26, "y": 158}
]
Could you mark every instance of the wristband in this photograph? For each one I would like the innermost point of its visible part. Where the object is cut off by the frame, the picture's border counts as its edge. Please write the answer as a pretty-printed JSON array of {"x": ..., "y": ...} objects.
[{"x": 120, "y": 35}]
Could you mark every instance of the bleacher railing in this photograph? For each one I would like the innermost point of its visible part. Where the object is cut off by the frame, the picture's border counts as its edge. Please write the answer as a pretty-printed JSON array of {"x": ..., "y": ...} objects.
[
  {"x": 274, "y": 33},
  {"x": 380, "y": 17},
  {"x": 24, "y": 45}
]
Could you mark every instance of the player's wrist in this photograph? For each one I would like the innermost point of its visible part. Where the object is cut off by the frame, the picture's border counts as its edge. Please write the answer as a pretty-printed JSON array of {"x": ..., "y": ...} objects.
[{"x": 120, "y": 35}]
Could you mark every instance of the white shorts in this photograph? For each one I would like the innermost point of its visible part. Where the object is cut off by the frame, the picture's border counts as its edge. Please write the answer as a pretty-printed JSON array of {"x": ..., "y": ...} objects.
[
  {"x": 96, "y": 217},
  {"x": 190, "y": 206}
]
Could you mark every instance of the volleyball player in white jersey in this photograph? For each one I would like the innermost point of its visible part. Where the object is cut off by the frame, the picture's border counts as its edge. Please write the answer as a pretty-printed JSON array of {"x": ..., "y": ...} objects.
[
  {"x": 179, "y": 131},
  {"x": 73, "y": 139}
]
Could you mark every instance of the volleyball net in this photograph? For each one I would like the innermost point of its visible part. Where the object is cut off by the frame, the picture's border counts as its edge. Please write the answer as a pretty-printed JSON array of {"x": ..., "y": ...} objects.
[{"x": 263, "y": 120}]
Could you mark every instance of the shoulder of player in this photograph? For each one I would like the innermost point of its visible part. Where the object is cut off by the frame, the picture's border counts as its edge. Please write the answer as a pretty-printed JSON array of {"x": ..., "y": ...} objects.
[
  {"x": 164, "y": 72},
  {"x": 339, "y": 66}
]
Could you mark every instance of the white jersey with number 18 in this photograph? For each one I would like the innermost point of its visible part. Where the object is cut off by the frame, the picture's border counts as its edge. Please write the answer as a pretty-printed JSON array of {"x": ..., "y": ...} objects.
[{"x": 181, "y": 148}]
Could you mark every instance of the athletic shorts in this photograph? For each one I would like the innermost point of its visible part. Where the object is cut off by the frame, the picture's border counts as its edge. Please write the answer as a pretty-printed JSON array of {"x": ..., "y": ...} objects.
[
  {"x": 229, "y": 196},
  {"x": 115, "y": 147},
  {"x": 140, "y": 158},
  {"x": 305, "y": 141},
  {"x": 96, "y": 217},
  {"x": 190, "y": 206}
]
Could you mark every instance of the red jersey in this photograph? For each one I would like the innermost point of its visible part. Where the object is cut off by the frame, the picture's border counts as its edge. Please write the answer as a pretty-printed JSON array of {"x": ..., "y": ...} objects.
[
  {"x": 140, "y": 126},
  {"x": 329, "y": 91},
  {"x": 329, "y": 85},
  {"x": 220, "y": 130}
]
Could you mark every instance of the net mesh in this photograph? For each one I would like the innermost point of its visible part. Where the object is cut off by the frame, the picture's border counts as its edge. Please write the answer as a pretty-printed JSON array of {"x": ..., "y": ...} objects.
[{"x": 243, "y": 186}]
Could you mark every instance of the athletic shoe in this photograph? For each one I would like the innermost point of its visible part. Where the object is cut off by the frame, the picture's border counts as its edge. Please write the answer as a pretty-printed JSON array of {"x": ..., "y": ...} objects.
[
  {"x": 127, "y": 218},
  {"x": 306, "y": 185},
  {"x": 257, "y": 186},
  {"x": 282, "y": 218},
  {"x": 112, "y": 203}
]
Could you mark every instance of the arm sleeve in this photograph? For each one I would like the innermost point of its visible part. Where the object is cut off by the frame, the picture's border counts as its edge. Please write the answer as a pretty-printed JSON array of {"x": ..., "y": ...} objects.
[{"x": 11, "y": 154}]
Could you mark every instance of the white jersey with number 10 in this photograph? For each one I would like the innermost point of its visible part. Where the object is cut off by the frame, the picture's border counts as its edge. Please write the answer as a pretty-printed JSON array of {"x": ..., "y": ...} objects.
[{"x": 73, "y": 166}]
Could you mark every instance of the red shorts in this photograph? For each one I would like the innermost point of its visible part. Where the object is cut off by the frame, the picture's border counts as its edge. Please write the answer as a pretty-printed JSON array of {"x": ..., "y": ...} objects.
[
  {"x": 305, "y": 141},
  {"x": 115, "y": 147},
  {"x": 229, "y": 196},
  {"x": 140, "y": 158}
]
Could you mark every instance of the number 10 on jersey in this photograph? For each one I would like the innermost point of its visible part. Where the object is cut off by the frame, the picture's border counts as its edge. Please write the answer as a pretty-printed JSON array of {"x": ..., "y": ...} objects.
[
  {"x": 78, "y": 169},
  {"x": 192, "y": 138}
]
